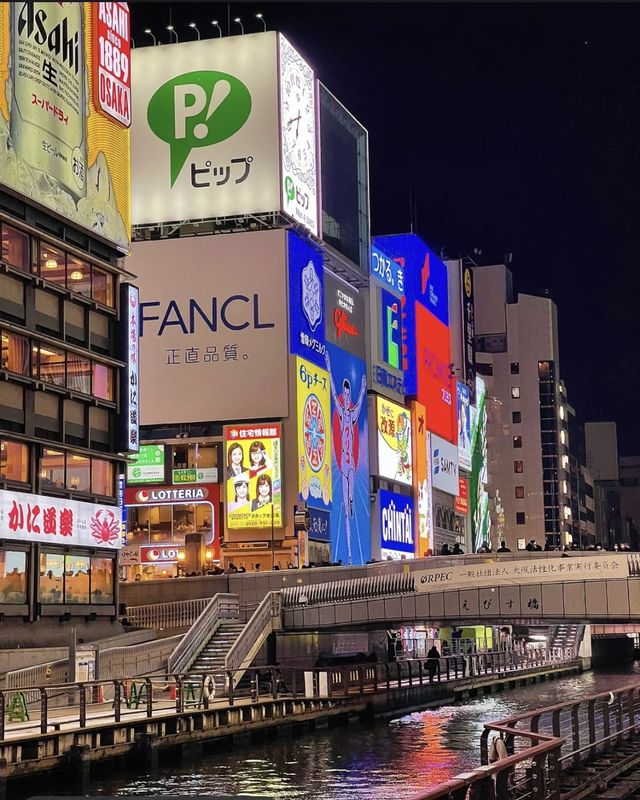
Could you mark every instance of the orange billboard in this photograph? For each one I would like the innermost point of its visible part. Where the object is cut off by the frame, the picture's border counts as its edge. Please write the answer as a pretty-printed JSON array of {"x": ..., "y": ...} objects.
[{"x": 420, "y": 477}]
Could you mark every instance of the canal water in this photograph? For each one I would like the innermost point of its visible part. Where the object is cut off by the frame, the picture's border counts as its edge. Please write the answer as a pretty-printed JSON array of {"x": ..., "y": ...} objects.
[{"x": 378, "y": 761}]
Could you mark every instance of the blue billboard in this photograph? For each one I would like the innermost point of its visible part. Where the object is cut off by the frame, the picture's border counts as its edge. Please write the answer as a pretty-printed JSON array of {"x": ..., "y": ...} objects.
[
  {"x": 425, "y": 282},
  {"x": 386, "y": 270},
  {"x": 306, "y": 300},
  {"x": 396, "y": 525},
  {"x": 350, "y": 515}
]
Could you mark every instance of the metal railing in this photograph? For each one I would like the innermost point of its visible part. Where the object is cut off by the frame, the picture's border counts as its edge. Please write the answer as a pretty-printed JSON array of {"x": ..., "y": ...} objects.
[
  {"x": 107, "y": 701},
  {"x": 221, "y": 606},
  {"x": 265, "y": 619},
  {"x": 165, "y": 616},
  {"x": 352, "y": 589},
  {"x": 141, "y": 659}
]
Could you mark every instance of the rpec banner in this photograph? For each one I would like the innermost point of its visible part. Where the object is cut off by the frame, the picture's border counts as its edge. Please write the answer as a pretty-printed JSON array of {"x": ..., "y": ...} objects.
[{"x": 396, "y": 525}]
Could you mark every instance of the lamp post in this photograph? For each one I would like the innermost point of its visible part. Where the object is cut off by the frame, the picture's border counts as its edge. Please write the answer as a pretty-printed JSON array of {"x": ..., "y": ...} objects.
[
  {"x": 238, "y": 21},
  {"x": 262, "y": 20},
  {"x": 216, "y": 24},
  {"x": 172, "y": 32},
  {"x": 193, "y": 26},
  {"x": 149, "y": 33}
]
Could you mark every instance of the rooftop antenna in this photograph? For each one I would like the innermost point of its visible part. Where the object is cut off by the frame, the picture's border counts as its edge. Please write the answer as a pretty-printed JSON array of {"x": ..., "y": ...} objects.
[{"x": 411, "y": 210}]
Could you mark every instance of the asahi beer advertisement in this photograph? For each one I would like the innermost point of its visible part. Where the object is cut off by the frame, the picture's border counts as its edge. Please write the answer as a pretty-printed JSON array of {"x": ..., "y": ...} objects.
[
  {"x": 65, "y": 83},
  {"x": 253, "y": 477}
]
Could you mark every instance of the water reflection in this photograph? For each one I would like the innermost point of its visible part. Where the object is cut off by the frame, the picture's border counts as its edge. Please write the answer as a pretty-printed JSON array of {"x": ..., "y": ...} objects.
[{"x": 356, "y": 762}]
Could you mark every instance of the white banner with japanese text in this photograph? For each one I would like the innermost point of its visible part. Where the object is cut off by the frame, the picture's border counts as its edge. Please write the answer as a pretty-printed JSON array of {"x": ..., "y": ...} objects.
[
  {"x": 510, "y": 573},
  {"x": 55, "y": 520}
]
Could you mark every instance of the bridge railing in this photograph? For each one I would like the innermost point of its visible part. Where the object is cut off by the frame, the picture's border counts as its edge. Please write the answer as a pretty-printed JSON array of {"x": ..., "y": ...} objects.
[{"x": 351, "y": 589}]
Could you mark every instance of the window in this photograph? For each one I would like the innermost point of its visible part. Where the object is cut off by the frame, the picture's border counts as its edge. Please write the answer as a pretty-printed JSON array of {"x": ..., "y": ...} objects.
[
  {"x": 15, "y": 248},
  {"x": 14, "y": 461},
  {"x": 102, "y": 580},
  {"x": 544, "y": 370},
  {"x": 102, "y": 381},
  {"x": 520, "y": 492},
  {"x": 52, "y": 470},
  {"x": 78, "y": 373},
  {"x": 515, "y": 367},
  {"x": 78, "y": 275},
  {"x": 75, "y": 428},
  {"x": 51, "y": 364},
  {"x": 13, "y": 577},
  {"x": 76, "y": 579},
  {"x": 47, "y": 312},
  {"x": 484, "y": 369},
  {"x": 12, "y": 298},
  {"x": 102, "y": 287},
  {"x": 102, "y": 477},
  {"x": 517, "y": 441},
  {"x": 12, "y": 406},
  {"x": 51, "y": 579},
  {"x": 52, "y": 264},
  {"x": 15, "y": 353},
  {"x": 78, "y": 473},
  {"x": 520, "y": 517},
  {"x": 515, "y": 392},
  {"x": 74, "y": 323},
  {"x": 516, "y": 417},
  {"x": 518, "y": 466}
]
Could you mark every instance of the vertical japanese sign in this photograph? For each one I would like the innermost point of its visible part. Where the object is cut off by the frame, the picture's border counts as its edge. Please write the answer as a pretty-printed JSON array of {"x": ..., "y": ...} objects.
[
  {"x": 469, "y": 333},
  {"x": 394, "y": 441},
  {"x": 253, "y": 478},
  {"x": 314, "y": 434},
  {"x": 464, "y": 426},
  {"x": 130, "y": 383},
  {"x": 112, "y": 60},
  {"x": 53, "y": 520},
  {"x": 306, "y": 300},
  {"x": 298, "y": 137},
  {"x": 421, "y": 477}
]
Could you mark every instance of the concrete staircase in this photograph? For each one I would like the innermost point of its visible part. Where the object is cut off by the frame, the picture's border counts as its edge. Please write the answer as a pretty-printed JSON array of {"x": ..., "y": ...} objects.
[
  {"x": 210, "y": 659},
  {"x": 566, "y": 636}
]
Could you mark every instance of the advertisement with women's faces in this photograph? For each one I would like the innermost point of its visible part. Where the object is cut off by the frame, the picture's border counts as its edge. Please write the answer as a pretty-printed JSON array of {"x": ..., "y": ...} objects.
[{"x": 253, "y": 481}]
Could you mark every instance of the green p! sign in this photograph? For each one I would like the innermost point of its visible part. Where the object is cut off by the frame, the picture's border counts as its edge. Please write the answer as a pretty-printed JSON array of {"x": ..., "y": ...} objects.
[{"x": 195, "y": 110}]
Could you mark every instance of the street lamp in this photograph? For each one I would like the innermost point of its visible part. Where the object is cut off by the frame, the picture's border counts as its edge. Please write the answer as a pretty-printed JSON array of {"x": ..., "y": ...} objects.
[
  {"x": 148, "y": 32},
  {"x": 238, "y": 21},
  {"x": 193, "y": 26},
  {"x": 133, "y": 43},
  {"x": 261, "y": 18},
  {"x": 215, "y": 24},
  {"x": 172, "y": 31}
]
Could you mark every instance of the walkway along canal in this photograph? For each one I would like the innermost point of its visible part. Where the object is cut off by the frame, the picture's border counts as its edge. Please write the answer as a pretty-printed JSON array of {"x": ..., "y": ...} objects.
[{"x": 75, "y": 726}]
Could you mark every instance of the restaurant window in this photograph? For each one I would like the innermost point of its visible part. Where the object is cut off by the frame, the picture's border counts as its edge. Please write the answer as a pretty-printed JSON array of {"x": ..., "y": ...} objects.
[
  {"x": 102, "y": 580},
  {"x": 14, "y": 461},
  {"x": 76, "y": 578},
  {"x": 51, "y": 579},
  {"x": 52, "y": 470},
  {"x": 102, "y": 382},
  {"x": 519, "y": 492},
  {"x": 102, "y": 477},
  {"x": 15, "y": 248},
  {"x": 78, "y": 473},
  {"x": 102, "y": 287},
  {"x": 515, "y": 392},
  {"x": 52, "y": 264},
  {"x": 15, "y": 353},
  {"x": 518, "y": 466},
  {"x": 13, "y": 576},
  {"x": 78, "y": 373},
  {"x": 78, "y": 276},
  {"x": 51, "y": 364}
]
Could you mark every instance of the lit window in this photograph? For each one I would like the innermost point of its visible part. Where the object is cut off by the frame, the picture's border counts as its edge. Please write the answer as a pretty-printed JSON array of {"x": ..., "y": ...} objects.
[
  {"x": 102, "y": 477},
  {"x": 102, "y": 580},
  {"x": 76, "y": 579},
  {"x": 14, "y": 461},
  {"x": 78, "y": 373},
  {"x": 52, "y": 264},
  {"x": 13, "y": 577},
  {"x": 52, "y": 470},
  {"x": 78, "y": 474},
  {"x": 517, "y": 441},
  {"x": 561, "y": 412},
  {"x": 78, "y": 276},
  {"x": 15, "y": 353},
  {"x": 52, "y": 364},
  {"x": 15, "y": 248},
  {"x": 515, "y": 392},
  {"x": 563, "y": 437},
  {"x": 102, "y": 381},
  {"x": 51, "y": 584},
  {"x": 102, "y": 287}
]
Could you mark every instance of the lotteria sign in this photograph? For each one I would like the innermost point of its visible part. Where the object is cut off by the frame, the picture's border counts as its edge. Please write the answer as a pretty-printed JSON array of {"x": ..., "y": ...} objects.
[
  {"x": 163, "y": 495},
  {"x": 161, "y": 554},
  {"x": 396, "y": 525}
]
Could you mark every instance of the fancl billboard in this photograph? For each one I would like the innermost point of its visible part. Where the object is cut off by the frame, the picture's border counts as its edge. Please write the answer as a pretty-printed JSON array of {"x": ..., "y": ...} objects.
[{"x": 224, "y": 127}]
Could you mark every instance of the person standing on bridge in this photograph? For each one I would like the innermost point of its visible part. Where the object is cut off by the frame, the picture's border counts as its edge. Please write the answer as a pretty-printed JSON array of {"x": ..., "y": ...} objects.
[
  {"x": 503, "y": 548},
  {"x": 433, "y": 663},
  {"x": 348, "y": 415}
]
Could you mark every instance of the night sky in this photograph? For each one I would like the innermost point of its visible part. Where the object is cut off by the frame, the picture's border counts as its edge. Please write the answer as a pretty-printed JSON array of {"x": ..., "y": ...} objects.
[{"x": 517, "y": 128}]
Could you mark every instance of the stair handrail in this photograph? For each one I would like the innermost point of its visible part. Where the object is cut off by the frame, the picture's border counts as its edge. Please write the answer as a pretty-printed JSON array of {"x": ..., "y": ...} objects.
[
  {"x": 266, "y": 615},
  {"x": 221, "y": 606}
]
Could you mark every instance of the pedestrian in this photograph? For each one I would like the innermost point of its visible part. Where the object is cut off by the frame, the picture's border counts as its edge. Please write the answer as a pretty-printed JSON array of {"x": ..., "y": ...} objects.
[
  {"x": 503, "y": 548},
  {"x": 445, "y": 550},
  {"x": 531, "y": 545},
  {"x": 433, "y": 663},
  {"x": 457, "y": 550}
]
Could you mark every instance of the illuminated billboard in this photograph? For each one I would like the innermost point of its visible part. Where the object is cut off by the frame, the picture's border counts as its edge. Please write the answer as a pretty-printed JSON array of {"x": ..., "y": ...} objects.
[
  {"x": 253, "y": 481},
  {"x": 344, "y": 311},
  {"x": 464, "y": 426},
  {"x": 313, "y": 394},
  {"x": 63, "y": 113},
  {"x": 444, "y": 466},
  {"x": 478, "y": 496},
  {"x": 213, "y": 327},
  {"x": 421, "y": 478},
  {"x": 306, "y": 299},
  {"x": 147, "y": 466},
  {"x": 393, "y": 429},
  {"x": 436, "y": 388},
  {"x": 224, "y": 127},
  {"x": 396, "y": 525}
]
